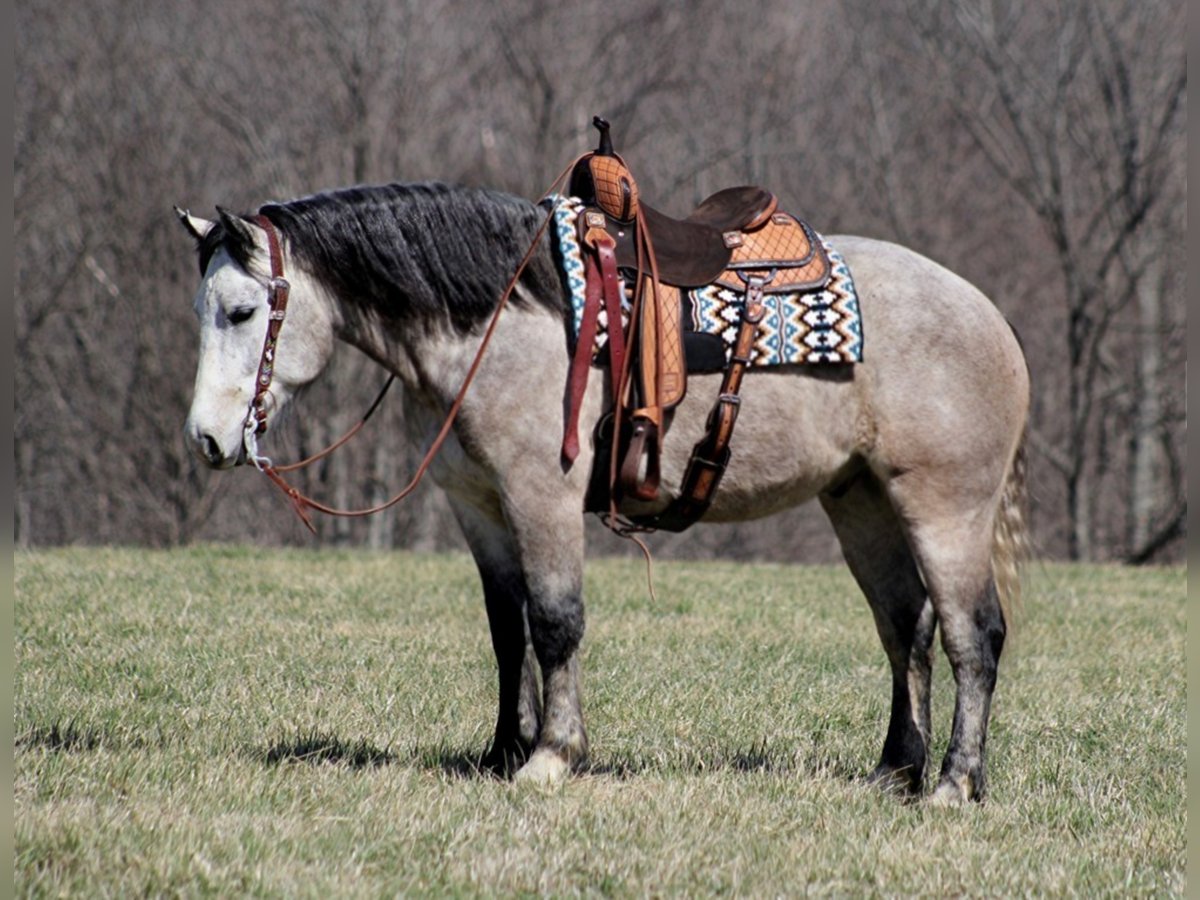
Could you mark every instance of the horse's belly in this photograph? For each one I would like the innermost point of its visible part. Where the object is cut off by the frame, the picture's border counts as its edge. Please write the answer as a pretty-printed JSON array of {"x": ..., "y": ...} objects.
[
  {"x": 795, "y": 435},
  {"x": 738, "y": 504}
]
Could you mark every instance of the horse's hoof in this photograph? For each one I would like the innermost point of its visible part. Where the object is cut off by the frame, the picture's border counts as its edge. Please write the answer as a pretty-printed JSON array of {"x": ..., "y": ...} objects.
[
  {"x": 504, "y": 762},
  {"x": 953, "y": 792},
  {"x": 897, "y": 782},
  {"x": 544, "y": 767}
]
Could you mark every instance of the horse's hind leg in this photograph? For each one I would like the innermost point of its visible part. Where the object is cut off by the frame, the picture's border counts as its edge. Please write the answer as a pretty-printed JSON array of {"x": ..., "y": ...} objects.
[
  {"x": 518, "y": 719},
  {"x": 951, "y": 533},
  {"x": 878, "y": 554}
]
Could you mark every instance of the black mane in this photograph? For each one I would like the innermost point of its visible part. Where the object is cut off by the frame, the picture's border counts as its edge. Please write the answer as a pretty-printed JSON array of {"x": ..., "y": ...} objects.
[{"x": 407, "y": 253}]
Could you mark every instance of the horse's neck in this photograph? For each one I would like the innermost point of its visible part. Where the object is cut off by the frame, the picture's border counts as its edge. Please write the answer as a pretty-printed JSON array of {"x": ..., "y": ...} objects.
[
  {"x": 430, "y": 357},
  {"x": 430, "y": 361}
]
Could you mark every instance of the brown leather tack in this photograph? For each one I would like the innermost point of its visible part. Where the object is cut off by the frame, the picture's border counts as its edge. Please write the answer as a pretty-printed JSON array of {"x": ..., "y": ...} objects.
[{"x": 735, "y": 238}]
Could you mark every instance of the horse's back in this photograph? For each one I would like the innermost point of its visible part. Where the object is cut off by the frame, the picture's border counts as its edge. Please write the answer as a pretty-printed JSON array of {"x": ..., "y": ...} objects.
[
  {"x": 912, "y": 300},
  {"x": 942, "y": 386}
]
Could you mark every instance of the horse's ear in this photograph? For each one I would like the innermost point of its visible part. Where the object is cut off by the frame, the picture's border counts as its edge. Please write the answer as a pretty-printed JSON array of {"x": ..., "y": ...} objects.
[
  {"x": 196, "y": 226},
  {"x": 241, "y": 231}
]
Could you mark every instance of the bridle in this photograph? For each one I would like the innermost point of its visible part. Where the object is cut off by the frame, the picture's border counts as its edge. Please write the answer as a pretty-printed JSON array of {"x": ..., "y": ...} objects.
[
  {"x": 255, "y": 423},
  {"x": 278, "y": 288},
  {"x": 256, "y": 415}
]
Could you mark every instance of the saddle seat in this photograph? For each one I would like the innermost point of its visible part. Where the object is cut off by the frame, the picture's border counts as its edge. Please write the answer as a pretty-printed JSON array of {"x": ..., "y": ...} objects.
[
  {"x": 689, "y": 252},
  {"x": 693, "y": 251}
]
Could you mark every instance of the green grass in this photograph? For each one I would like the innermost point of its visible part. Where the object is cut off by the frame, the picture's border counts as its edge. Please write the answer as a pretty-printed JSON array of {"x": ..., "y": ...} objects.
[{"x": 223, "y": 721}]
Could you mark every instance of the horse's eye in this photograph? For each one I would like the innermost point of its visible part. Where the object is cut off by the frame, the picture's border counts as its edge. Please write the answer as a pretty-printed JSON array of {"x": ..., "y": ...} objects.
[{"x": 240, "y": 315}]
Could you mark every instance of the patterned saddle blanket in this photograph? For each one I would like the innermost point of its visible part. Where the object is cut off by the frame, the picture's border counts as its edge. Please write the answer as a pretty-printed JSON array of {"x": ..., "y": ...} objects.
[{"x": 820, "y": 325}]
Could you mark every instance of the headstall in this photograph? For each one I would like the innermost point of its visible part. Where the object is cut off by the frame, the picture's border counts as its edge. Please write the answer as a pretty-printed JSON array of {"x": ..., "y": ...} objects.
[{"x": 277, "y": 301}]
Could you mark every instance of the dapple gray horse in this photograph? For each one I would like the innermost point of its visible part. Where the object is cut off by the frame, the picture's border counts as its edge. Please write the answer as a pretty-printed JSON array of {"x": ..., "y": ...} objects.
[{"x": 916, "y": 454}]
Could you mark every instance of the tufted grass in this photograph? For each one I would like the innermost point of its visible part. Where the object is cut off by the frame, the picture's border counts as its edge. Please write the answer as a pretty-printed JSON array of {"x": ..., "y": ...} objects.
[{"x": 224, "y": 721}]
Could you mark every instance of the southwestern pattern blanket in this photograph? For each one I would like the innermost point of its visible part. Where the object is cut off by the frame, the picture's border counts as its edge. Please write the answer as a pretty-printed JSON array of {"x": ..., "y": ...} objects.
[{"x": 819, "y": 326}]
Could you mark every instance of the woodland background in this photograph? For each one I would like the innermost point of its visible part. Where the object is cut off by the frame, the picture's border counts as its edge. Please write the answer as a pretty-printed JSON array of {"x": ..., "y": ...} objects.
[{"x": 1036, "y": 148}]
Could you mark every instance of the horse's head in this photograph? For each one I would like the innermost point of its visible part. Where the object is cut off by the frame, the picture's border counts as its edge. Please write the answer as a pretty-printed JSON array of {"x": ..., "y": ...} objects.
[{"x": 233, "y": 306}]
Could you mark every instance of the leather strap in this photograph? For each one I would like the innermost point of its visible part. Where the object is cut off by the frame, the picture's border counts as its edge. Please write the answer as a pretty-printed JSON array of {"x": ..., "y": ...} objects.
[
  {"x": 606, "y": 254},
  {"x": 603, "y": 288},
  {"x": 581, "y": 361},
  {"x": 711, "y": 455},
  {"x": 645, "y": 421},
  {"x": 277, "y": 300}
]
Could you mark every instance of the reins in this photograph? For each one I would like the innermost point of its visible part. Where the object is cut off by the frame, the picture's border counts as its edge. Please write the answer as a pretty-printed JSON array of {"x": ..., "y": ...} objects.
[{"x": 256, "y": 415}]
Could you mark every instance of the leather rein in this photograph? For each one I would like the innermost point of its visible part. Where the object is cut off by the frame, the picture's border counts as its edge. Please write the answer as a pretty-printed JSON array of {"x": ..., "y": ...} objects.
[{"x": 255, "y": 423}]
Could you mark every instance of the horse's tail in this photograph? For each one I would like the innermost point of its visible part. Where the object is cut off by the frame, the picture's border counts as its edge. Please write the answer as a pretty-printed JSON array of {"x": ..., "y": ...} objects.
[{"x": 1010, "y": 538}]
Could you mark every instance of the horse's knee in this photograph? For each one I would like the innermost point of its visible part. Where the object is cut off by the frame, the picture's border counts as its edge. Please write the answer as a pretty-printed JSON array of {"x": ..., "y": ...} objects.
[{"x": 555, "y": 627}]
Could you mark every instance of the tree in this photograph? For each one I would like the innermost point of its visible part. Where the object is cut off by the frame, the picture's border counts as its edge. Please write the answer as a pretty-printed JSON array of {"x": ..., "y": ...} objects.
[
  {"x": 980, "y": 134},
  {"x": 1084, "y": 127}
]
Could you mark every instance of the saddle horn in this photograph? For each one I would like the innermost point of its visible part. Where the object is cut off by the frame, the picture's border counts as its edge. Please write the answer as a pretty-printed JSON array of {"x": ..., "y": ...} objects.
[
  {"x": 601, "y": 178},
  {"x": 605, "y": 148}
]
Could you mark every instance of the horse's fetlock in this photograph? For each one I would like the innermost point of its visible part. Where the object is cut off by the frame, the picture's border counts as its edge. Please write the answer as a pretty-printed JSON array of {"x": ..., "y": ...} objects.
[
  {"x": 569, "y": 743},
  {"x": 955, "y": 790},
  {"x": 529, "y": 725}
]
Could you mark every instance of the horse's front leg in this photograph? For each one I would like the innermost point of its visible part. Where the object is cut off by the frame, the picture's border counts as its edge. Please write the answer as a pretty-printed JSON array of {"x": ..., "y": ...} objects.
[
  {"x": 519, "y": 714},
  {"x": 549, "y": 540}
]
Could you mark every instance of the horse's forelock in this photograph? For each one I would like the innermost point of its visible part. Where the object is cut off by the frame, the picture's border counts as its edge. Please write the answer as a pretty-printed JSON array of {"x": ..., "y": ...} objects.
[{"x": 236, "y": 244}]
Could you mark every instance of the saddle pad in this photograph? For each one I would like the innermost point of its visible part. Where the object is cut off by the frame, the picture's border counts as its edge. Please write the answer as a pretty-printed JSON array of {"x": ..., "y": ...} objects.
[{"x": 799, "y": 328}]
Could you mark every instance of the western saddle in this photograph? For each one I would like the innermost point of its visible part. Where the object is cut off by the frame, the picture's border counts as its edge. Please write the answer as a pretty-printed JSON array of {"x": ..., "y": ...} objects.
[{"x": 736, "y": 240}]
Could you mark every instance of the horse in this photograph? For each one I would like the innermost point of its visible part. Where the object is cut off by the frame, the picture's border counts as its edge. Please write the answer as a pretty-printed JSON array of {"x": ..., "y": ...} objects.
[{"x": 916, "y": 453}]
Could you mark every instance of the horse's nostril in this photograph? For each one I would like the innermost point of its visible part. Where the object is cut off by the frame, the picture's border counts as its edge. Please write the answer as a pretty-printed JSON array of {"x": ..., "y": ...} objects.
[{"x": 211, "y": 449}]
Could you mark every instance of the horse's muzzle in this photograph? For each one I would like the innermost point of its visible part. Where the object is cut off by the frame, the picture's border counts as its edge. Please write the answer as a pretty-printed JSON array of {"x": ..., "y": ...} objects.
[{"x": 208, "y": 449}]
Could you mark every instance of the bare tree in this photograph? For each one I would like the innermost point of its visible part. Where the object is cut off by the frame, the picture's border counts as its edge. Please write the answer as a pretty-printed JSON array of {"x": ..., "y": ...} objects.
[
  {"x": 979, "y": 133},
  {"x": 1081, "y": 126}
]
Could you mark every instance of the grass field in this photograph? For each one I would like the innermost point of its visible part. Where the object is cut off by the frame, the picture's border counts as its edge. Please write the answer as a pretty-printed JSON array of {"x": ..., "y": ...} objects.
[{"x": 223, "y": 721}]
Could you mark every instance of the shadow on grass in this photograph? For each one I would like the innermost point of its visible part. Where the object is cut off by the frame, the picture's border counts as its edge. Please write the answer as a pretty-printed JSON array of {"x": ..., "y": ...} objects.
[
  {"x": 758, "y": 758},
  {"x": 65, "y": 737},
  {"x": 71, "y": 736},
  {"x": 316, "y": 747}
]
